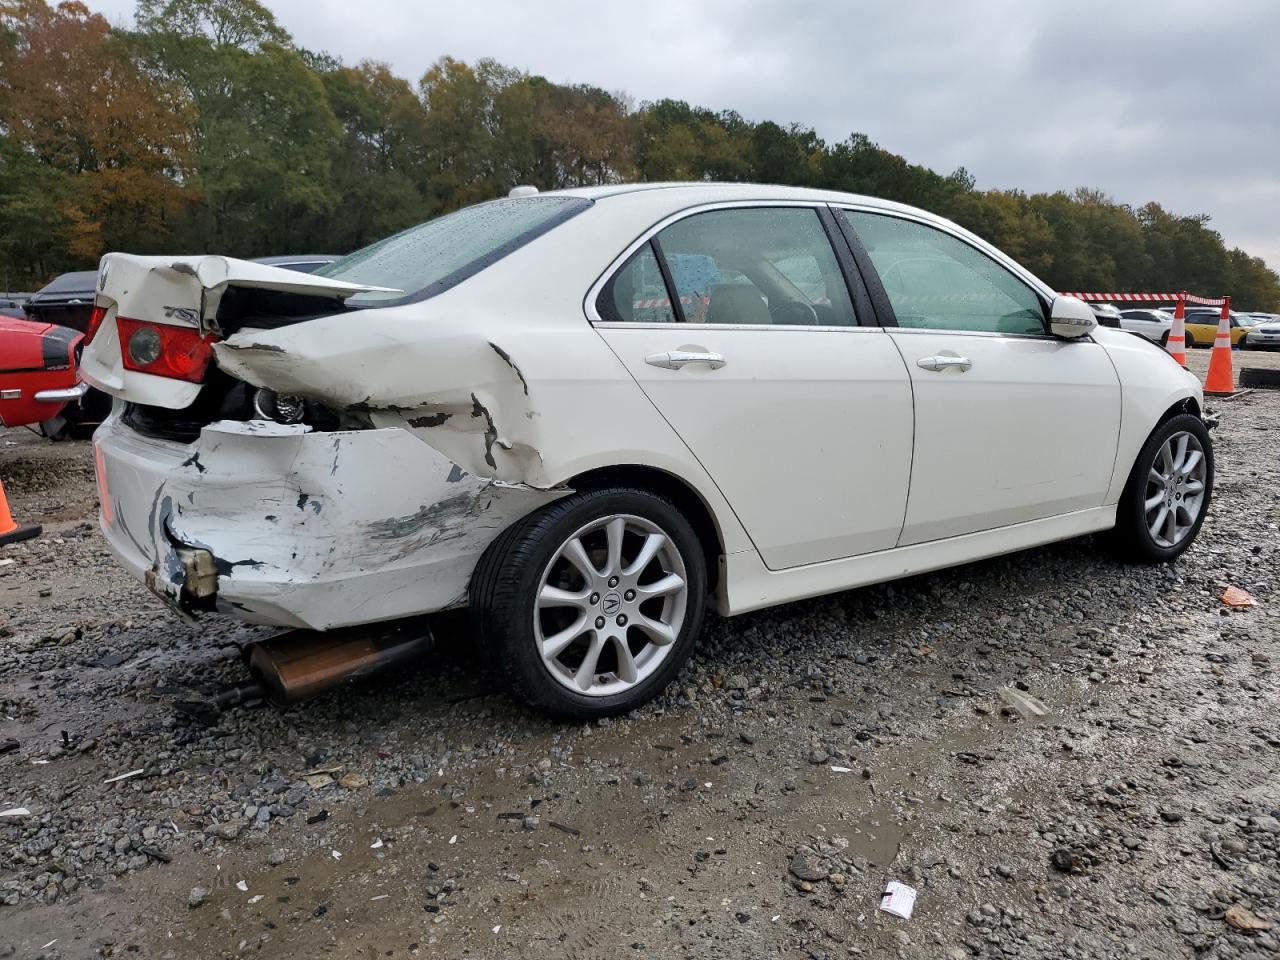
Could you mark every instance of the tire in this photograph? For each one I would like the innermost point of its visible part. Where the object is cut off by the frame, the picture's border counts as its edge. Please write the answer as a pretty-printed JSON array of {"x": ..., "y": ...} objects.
[
  {"x": 1190, "y": 341},
  {"x": 55, "y": 430},
  {"x": 1133, "y": 538},
  {"x": 531, "y": 560},
  {"x": 1259, "y": 379},
  {"x": 1164, "y": 340}
]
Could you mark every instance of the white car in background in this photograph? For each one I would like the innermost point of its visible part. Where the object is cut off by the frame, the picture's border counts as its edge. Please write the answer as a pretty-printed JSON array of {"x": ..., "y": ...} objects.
[
  {"x": 1264, "y": 334},
  {"x": 585, "y": 414},
  {"x": 1154, "y": 325}
]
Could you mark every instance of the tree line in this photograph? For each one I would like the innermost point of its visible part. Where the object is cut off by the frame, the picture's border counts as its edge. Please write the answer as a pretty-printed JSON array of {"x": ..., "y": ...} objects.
[{"x": 205, "y": 128}]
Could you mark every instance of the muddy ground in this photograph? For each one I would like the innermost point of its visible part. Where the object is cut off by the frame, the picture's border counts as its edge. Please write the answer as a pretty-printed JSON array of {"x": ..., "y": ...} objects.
[{"x": 807, "y": 755}]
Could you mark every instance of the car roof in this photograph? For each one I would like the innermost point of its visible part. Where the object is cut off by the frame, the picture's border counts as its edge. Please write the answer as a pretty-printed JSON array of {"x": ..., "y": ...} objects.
[
  {"x": 684, "y": 194},
  {"x": 78, "y": 281}
]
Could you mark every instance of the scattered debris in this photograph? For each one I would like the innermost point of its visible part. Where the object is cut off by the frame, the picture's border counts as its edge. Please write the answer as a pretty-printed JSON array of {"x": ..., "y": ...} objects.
[
  {"x": 1220, "y": 858},
  {"x": 1242, "y": 919},
  {"x": 1027, "y": 706},
  {"x": 353, "y": 781},
  {"x": 376, "y": 845},
  {"x": 8, "y": 745},
  {"x": 1064, "y": 860},
  {"x": 15, "y": 812},
  {"x": 898, "y": 899},
  {"x": 317, "y": 780},
  {"x": 842, "y": 770},
  {"x": 563, "y": 828},
  {"x": 242, "y": 886},
  {"x": 197, "y": 897},
  {"x": 1235, "y": 597},
  {"x": 125, "y": 776}
]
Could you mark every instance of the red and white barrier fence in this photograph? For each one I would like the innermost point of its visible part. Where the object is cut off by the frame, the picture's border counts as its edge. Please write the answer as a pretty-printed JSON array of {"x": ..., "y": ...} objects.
[
  {"x": 1220, "y": 379},
  {"x": 1150, "y": 298}
]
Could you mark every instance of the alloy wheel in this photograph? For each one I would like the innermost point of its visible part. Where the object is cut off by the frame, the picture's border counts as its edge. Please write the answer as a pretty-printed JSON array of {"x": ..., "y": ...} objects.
[
  {"x": 1174, "y": 497},
  {"x": 610, "y": 605}
]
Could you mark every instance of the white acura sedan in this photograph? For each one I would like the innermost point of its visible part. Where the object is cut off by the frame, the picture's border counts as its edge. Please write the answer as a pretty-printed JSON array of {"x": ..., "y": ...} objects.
[{"x": 586, "y": 414}]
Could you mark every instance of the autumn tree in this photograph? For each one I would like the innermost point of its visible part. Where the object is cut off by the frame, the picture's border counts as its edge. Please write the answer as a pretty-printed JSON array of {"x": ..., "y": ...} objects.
[
  {"x": 263, "y": 135},
  {"x": 207, "y": 128},
  {"x": 97, "y": 146}
]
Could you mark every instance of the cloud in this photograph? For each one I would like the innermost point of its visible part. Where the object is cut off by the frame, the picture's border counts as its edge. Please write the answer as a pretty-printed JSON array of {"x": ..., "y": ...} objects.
[{"x": 1144, "y": 100}]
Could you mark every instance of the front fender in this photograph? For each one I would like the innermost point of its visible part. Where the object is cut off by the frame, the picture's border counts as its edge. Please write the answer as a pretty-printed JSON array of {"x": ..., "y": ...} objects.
[{"x": 1151, "y": 383}]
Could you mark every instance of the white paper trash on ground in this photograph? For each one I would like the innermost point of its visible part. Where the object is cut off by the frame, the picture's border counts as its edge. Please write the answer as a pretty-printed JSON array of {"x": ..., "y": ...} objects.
[{"x": 898, "y": 899}]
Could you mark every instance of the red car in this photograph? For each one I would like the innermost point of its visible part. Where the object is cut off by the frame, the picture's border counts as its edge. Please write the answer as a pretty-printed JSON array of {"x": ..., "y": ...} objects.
[{"x": 39, "y": 372}]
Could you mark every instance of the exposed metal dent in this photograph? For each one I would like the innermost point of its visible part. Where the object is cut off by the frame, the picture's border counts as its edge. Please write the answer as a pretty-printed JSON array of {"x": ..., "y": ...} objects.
[
  {"x": 512, "y": 364},
  {"x": 264, "y": 347}
]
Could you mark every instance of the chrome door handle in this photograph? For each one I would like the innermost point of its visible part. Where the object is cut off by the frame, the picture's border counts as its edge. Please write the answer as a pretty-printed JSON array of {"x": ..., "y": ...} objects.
[
  {"x": 942, "y": 363},
  {"x": 675, "y": 359}
]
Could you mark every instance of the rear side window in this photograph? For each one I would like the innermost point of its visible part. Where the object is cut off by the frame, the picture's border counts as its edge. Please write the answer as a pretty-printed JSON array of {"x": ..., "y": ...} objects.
[
  {"x": 637, "y": 293},
  {"x": 937, "y": 281},
  {"x": 434, "y": 256}
]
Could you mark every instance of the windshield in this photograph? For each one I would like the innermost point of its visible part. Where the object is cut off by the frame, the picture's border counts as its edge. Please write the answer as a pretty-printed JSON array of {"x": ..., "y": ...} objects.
[{"x": 434, "y": 256}]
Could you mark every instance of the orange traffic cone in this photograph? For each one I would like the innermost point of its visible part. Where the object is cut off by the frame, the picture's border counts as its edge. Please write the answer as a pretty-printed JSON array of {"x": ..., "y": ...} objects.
[
  {"x": 1221, "y": 380},
  {"x": 10, "y": 532},
  {"x": 1177, "y": 342}
]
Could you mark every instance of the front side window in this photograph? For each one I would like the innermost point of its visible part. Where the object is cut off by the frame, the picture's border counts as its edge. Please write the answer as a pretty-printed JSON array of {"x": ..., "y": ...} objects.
[
  {"x": 937, "y": 281},
  {"x": 436, "y": 255},
  {"x": 758, "y": 265}
]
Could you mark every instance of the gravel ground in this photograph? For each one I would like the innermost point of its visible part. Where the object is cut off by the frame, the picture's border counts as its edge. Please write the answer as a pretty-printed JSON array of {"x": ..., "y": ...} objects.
[{"x": 807, "y": 755}]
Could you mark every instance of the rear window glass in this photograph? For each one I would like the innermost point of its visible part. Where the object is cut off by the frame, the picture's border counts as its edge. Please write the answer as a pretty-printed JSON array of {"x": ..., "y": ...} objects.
[{"x": 434, "y": 256}]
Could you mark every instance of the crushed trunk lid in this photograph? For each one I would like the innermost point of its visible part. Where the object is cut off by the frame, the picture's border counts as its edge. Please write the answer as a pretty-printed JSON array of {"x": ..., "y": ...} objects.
[{"x": 184, "y": 292}]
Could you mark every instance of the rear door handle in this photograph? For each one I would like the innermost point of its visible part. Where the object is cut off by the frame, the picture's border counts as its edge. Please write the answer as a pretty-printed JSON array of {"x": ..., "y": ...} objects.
[
  {"x": 942, "y": 363},
  {"x": 675, "y": 359}
]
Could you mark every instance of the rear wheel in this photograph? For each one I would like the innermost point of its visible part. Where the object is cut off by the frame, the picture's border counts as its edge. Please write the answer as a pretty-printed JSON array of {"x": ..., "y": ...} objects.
[
  {"x": 1191, "y": 341},
  {"x": 1168, "y": 492},
  {"x": 1164, "y": 339},
  {"x": 589, "y": 607}
]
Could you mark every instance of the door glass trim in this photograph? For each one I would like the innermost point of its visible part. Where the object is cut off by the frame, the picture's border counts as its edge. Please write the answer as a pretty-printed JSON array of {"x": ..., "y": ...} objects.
[
  {"x": 945, "y": 331},
  {"x": 650, "y": 236}
]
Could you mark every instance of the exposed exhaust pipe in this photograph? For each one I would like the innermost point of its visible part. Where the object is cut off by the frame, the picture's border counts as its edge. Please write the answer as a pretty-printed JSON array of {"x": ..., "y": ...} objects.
[{"x": 299, "y": 664}]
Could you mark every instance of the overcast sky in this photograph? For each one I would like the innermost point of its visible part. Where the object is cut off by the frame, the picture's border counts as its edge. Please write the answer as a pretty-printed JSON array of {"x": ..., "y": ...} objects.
[{"x": 1174, "y": 101}]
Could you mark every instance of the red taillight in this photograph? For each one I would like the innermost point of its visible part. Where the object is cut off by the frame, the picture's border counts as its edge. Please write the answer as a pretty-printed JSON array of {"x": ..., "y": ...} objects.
[
  {"x": 95, "y": 321},
  {"x": 180, "y": 353}
]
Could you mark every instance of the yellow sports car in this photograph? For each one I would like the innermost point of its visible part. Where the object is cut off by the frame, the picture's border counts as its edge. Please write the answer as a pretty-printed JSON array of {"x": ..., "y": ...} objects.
[{"x": 1202, "y": 327}]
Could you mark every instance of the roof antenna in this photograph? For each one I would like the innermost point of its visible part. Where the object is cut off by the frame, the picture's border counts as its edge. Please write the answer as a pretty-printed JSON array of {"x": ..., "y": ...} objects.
[{"x": 522, "y": 191}]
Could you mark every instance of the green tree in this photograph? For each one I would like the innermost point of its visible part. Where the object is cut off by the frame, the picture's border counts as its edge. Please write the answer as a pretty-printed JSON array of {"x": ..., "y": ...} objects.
[{"x": 264, "y": 134}]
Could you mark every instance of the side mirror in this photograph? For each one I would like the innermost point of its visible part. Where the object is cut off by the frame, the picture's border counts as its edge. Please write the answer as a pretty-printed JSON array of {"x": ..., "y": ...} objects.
[{"x": 1071, "y": 318}]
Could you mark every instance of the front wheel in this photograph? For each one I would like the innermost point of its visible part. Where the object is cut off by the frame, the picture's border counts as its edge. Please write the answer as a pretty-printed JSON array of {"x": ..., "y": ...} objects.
[
  {"x": 590, "y": 606},
  {"x": 1168, "y": 492}
]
